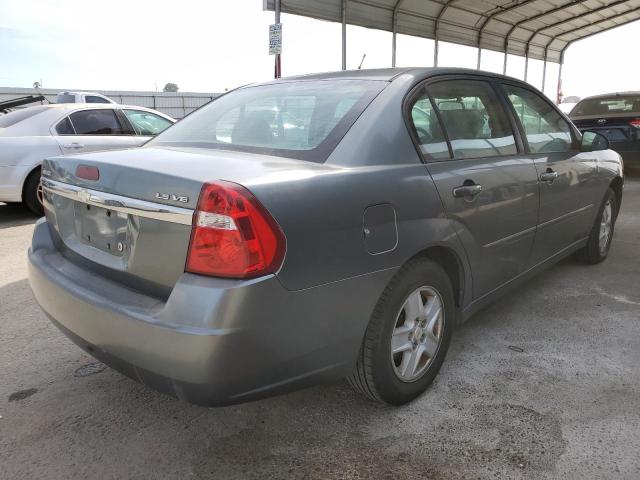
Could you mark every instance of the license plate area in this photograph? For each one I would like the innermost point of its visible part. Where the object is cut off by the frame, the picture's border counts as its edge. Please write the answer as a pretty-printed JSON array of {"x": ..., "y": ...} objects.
[
  {"x": 101, "y": 228},
  {"x": 612, "y": 134}
]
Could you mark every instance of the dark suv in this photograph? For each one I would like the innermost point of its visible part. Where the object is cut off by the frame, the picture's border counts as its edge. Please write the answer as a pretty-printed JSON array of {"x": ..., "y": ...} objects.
[{"x": 617, "y": 117}]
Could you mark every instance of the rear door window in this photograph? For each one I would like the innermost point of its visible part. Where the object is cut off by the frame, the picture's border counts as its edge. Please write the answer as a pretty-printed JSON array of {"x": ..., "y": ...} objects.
[
  {"x": 96, "y": 122},
  {"x": 146, "y": 123},
  {"x": 427, "y": 129},
  {"x": 64, "y": 127},
  {"x": 473, "y": 118},
  {"x": 545, "y": 129}
]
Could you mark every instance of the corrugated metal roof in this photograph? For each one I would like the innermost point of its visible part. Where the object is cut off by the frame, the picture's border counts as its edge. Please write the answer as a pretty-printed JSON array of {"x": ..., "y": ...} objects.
[{"x": 514, "y": 26}]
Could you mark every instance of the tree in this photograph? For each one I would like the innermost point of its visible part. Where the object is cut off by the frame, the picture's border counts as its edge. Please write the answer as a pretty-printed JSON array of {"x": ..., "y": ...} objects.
[
  {"x": 36, "y": 85},
  {"x": 170, "y": 87}
]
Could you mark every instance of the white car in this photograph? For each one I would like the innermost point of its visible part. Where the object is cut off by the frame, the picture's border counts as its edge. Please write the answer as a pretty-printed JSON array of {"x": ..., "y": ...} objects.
[
  {"x": 82, "y": 97},
  {"x": 30, "y": 135}
]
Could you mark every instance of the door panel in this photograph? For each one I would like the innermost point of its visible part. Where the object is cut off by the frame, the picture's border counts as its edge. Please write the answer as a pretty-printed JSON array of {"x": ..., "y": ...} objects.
[
  {"x": 566, "y": 203},
  {"x": 497, "y": 226},
  {"x": 91, "y": 130},
  {"x": 88, "y": 143},
  {"x": 566, "y": 175},
  {"x": 489, "y": 191}
]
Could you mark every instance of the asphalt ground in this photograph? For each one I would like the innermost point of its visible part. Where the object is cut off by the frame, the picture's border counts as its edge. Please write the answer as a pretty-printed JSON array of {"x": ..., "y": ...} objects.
[{"x": 543, "y": 384}]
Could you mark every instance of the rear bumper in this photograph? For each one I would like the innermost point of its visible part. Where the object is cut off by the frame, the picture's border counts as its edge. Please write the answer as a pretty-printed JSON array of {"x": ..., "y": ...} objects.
[
  {"x": 214, "y": 341},
  {"x": 631, "y": 158}
]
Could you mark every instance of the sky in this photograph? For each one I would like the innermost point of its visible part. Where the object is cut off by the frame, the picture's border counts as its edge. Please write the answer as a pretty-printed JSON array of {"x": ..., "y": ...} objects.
[{"x": 213, "y": 45}]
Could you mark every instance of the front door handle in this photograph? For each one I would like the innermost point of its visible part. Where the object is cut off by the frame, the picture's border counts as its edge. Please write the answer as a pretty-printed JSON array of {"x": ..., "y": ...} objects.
[
  {"x": 548, "y": 176},
  {"x": 470, "y": 190},
  {"x": 73, "y": 146}
]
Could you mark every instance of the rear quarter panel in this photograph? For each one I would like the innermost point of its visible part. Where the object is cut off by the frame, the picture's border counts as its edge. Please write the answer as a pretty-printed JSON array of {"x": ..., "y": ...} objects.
[
  {"x": 19, "y": 156},
  {"x": 322, "y": 213}
]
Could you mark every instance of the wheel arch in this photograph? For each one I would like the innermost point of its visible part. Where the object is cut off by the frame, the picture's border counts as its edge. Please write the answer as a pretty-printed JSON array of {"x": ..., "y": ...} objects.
[
  {"x": 36, "y": 167},
  {"x": 451, "y": 262},
  {"x": 616, "y": 185}
]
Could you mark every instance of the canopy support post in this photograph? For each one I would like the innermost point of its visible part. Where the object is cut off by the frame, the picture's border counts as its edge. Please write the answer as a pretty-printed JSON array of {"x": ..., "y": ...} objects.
[
  {"x": 544, "y": 70},
  {"x": 526, "y": 63},
  {"x": 479, "y": 58},
  {"x": 504, "y": 65},
  {"x": 559, "y": 91},
  {"x": 395, "y": 33},
  {"x": 437, "y": 30},
  {"x": 344, "y": 34},
  {"x": 278, "y": 61}
]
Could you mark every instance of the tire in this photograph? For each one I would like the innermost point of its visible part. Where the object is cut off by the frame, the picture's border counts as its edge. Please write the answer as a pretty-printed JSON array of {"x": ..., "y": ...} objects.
[
  {"x": 378, "y": 372},
  {"x": 595, "y": 252},
  {"x": 30, "y": 193}
]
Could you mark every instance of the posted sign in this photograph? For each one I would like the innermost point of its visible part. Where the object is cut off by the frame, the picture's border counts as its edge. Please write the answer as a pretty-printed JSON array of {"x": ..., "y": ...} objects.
[{"x": 275, "y": 39}]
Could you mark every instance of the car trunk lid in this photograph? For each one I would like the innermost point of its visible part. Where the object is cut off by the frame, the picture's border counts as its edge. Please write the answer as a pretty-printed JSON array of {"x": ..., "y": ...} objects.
[
  {"x": 133, "y": 222},
  {"x": 615, "y": 127}
]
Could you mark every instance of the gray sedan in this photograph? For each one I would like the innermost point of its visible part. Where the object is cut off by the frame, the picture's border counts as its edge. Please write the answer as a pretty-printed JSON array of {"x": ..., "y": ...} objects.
[{"x": 315, "y": 228}]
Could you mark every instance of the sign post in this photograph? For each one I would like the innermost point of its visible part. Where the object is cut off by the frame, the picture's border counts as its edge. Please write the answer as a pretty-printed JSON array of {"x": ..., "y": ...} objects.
[{"x": 275, "y": 45}]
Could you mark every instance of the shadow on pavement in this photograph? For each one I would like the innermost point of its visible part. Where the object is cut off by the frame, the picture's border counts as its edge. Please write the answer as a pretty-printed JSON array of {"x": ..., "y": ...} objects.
[{"x": 14, "y": 215}]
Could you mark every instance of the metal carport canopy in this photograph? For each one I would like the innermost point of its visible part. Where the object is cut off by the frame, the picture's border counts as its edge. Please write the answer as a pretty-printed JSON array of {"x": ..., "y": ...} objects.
[{"x": 540, "y": 29}]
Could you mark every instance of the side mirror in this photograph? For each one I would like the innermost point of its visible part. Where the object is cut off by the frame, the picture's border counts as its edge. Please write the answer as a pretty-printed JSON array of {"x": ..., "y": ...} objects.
[{"x": 593, "y": 141}]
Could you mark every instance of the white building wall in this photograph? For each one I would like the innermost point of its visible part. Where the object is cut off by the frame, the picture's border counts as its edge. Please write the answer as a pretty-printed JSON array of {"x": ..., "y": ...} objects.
[{"x": 176, "y": 105}]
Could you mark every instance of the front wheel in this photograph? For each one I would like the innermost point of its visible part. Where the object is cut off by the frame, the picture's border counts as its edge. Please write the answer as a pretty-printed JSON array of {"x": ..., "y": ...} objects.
[
  {"x": 408, "y": 335},
  {"x": 599, "y": 243}
]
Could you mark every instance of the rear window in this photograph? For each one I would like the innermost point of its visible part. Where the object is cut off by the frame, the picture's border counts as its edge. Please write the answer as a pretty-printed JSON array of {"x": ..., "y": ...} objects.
[
  {"x": 94, "y": 99},
  {"x": 622, "y": 104},
  {"x": 303, "y": 120},
  {"x": 65, "y": 98},
  {"x": 18, "y": 116}
]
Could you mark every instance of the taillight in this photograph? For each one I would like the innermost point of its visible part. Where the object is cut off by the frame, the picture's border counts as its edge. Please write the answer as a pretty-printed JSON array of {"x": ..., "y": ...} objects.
[
  {"x": 88, "y": 172},
  {"x": 233, "y": 235},
  {"x": 635, "y": 123}
]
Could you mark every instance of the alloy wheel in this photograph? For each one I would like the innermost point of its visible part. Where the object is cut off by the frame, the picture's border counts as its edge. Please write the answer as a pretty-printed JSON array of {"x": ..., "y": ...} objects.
[
  {"x": 606, "y": 222},
  {"x": 417, "y": 334}
]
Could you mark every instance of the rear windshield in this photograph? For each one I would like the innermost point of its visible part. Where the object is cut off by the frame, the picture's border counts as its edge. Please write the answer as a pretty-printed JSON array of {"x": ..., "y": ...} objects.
[
  {"x": 17, "y": 116},
  {"x": 303, "y": 120},
  {"x": 627, "y": 104},
  {"x": 65, "y": 98}
]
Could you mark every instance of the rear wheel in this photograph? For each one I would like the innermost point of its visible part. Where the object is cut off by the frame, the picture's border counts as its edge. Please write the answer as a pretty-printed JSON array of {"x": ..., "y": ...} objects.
[
  {"x": 601, "y": 234},
  {"x": 32, "y": 194},
  {"x": 408, "y": 335}
]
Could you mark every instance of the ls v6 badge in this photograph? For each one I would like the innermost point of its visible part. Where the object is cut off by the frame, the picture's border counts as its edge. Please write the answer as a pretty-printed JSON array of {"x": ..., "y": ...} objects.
[{"x": 172, "y": 197}]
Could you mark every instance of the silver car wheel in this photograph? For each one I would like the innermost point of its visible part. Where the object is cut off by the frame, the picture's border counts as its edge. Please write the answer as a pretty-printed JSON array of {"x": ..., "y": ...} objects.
[
  {"x": 417, "y": 333},
  {"x": 605, "y": 227}
]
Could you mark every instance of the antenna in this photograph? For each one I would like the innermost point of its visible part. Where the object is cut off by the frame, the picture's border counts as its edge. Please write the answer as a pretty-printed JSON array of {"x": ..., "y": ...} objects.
[{"x": 362, "y": 61}]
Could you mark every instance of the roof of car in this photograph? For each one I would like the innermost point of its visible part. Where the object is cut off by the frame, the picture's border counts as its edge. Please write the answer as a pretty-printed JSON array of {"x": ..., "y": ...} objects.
[
  {"x": 389, "y": 74},
  {"x": 71, "y": 106},
  {"x": 613, "y": 94},
  {"x": 94, "y": 106}
]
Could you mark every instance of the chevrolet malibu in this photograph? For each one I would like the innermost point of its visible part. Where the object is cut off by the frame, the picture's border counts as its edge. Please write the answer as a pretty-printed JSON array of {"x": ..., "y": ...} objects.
[{"x": 319, "y": 227}]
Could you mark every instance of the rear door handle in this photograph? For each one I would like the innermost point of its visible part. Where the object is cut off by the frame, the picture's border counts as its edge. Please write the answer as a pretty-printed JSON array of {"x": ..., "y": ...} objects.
[
  {"x": 548, "y": 176},
  {"x": 73, "y": 146},
  {"x": 467, "y": 190}
]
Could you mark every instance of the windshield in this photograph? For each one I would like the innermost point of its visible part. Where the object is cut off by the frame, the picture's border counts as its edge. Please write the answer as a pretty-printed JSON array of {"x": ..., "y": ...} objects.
[
  {"x": 17, "y": 116},
  {"x": 303, "y": 120},
  {"x": 623, "y": 104}
]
